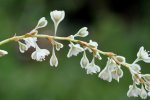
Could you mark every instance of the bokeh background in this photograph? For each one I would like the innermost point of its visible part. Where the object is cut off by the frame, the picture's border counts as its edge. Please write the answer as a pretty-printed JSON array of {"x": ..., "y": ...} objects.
[{"x": 121, "y": 26}]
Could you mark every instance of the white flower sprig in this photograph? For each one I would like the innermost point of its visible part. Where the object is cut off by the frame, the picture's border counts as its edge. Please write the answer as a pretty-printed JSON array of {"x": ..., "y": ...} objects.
[{"x": 113, "y": 68}]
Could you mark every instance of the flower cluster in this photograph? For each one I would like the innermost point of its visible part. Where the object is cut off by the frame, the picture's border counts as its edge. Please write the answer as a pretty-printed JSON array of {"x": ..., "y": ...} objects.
[
  {"x": 138, "y": 78},
  {"x": 113, "y": 68},
  {"x": 40, "y": 54}
]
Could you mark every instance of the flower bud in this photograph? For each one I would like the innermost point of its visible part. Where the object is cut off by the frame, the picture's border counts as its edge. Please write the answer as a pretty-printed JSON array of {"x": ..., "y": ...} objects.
[
  {"x": 84, "y": 60},
  {"x": 143, "y": 93},
  {"x": 136, "y": 67},
  {"x": 121, "y": 59},
  {"x": 41, "y": 23},
  {"x": 82, "y": 32},
  {"x": 54, "y": 60},
  {"x": 22, "y": 47},
  {"x": 3, "y": 53},
  {"x": 58, "y": 45},
  {"x": 146, "y": 77},
  {"x": 147, "y": 87},
  {"x": 57, "y": 17}
]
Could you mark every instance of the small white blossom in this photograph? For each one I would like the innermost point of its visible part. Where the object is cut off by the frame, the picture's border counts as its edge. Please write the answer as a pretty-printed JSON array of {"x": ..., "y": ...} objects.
[
  {"x": 3, "y": 53},
  {"x": 147, "y": 87},
  {"x": 146, "y": 78},
  {"x": 93, "y": 43},
  {"x": 39, "y": 54},
  {"x": 82, "y": 32},
  {"x": 91, "y": 68},
  {"x": 75, "y": 49},
  {"x": 112, "y": 65},
  {"x": 30, "y": 42},
  {"x": 117, "y": 74},
  {"x": 22, "y": 47},
  {"x": 143, "y": 93},
  {"x": 133, "y": 91},
  {"x": 41, "y": 23},
  {"x": 143, "y": 55},
  {"x": 121, "y": 59},
  {"x": 57, "y": 17},
  {"x": 53, "y": 59},
  {"x": 116, "y": 71},
  {"x": 135, "y": 74},
  {"x": 84, "y": 60},
  {"x": 58, "y": 45},
  {"x": 105, "y": 74},
  {"x": 136, "y": 67},
  {"x": 135, "y": 79}
]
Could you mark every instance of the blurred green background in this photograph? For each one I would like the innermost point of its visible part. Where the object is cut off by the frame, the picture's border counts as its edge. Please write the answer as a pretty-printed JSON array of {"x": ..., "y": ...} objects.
[{"x": 121, "y": 26}]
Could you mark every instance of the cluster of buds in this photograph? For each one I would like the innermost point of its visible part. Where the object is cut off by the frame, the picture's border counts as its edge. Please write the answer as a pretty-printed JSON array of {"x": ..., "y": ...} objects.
[{"x": 111, "y": 71}]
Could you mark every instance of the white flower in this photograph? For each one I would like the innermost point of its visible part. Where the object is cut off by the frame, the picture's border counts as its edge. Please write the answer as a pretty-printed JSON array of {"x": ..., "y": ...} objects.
[
  {"x": 92, "y": 68},
  {"x": 133, "y": 91},
  {"x": 57, "y": 17},
  {"x": 112, "y": 65},
  {"x": 41, "y": 23},
  {"x": 30, "y": 42},
  {"x": 39, "y": 54},
  {"x": 114, "y": 69},
  {"x": 143, "y": 55},
  {"x": 105, "y": 74},
  {"x": 143, "y": 93},
  {"x": 3, "y": 53},
  {"x": 147, "y": 87},
  {"x": 117, "y": 74},
  {"x": 75, "y": 49},
  {"x": 93, "y": 43},
  {"x": 146, "y": 78},
  {"x": 136, "y": 67},
  {"x": 22, "y": 47},
  {"x": 84, "y": 60},
  {"x": 121, "y": 59},
  {"x": 58, "y": 45},
  {"x": 135, "y": 79},
  {"x": 148, "y": 94},
  {"x": 82, "y": 32},
  {"x": 53, "y": 59}
]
